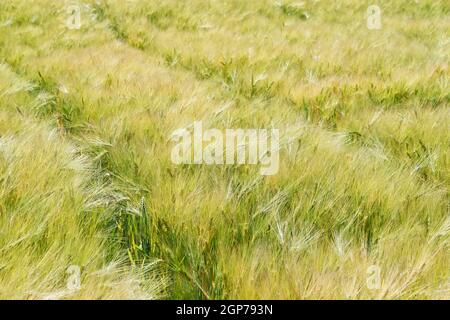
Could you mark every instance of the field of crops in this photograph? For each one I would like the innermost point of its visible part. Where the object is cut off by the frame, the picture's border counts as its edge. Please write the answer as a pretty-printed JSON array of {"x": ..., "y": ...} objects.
[{"x": 92, "y": 206}]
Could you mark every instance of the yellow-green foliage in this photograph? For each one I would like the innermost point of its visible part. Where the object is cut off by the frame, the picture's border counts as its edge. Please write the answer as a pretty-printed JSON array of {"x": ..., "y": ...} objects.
[{"x": 86, "y": 177}]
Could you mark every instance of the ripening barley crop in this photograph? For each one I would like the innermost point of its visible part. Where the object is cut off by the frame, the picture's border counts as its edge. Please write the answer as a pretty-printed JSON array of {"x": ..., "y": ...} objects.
[{"x": 95, "y": 93}]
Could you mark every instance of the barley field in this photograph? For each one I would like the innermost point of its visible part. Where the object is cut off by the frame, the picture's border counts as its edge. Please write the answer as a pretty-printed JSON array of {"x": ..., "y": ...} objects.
[{"x": 93, "y": 207}]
